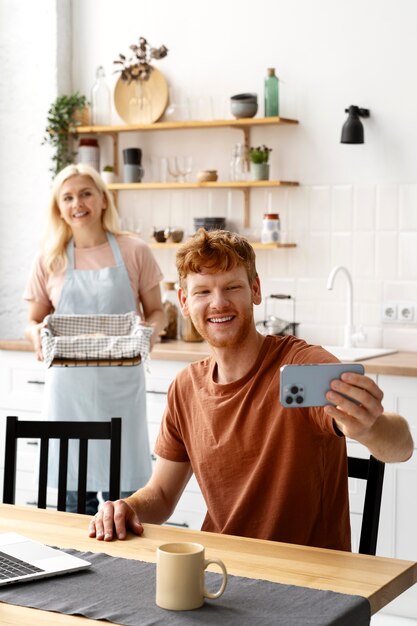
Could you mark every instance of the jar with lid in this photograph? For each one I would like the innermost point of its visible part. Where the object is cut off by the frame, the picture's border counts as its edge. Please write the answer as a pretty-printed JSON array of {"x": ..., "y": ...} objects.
[
  {"x": 89, "y": 152},
  {"x": 270, "y": 228},
  {"x": 189, "y": 331},
  {"x": 170, "y": 307}
]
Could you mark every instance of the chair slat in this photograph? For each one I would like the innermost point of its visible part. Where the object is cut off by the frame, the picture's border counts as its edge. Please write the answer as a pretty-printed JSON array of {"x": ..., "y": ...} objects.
[{"x": 63, "y": 431}]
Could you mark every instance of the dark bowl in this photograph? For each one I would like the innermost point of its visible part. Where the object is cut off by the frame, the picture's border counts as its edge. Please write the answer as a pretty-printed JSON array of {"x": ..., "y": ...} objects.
[{"x": 245, "y": 97}]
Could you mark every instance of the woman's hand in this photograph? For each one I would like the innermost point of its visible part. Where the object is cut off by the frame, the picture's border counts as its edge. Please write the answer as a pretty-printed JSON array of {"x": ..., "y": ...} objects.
[
  {"x": 37, "y": 314},
  {"x": 33, "y": 333}
]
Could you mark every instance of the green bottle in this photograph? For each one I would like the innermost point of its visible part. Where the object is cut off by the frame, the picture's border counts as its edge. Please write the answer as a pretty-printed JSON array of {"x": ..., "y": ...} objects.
[{"x": 271, "y": 94}]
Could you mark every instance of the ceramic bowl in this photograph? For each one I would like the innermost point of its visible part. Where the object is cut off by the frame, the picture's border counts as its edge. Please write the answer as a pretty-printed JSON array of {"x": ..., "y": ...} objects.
[
  {"x": 244, "y": 105},
  {"x": 176, "y": 235},
  {"x": 160, "y": 235},
  {"x": 205, "y": 176}
]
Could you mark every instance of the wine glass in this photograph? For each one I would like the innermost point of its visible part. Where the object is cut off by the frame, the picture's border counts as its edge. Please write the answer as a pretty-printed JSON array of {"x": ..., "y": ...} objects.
[
  {"x": 173, "y": 168},
  {"x": 184, "y": 166}
]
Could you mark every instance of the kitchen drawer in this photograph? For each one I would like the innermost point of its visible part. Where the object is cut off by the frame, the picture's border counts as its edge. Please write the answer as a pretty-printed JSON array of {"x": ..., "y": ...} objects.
[{"x": 22, "y": 381}]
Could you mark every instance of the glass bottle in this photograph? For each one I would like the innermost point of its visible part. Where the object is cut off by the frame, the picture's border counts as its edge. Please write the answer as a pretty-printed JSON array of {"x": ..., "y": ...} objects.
[
  {"x": 239, "y": 166},
  {"x": 100, "y": 99},
  {"x": 271, "y": 94}
]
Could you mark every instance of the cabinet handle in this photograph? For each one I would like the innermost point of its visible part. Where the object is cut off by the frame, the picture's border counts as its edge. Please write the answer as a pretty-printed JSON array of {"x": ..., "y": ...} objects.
[
  {"x": 157, "y": 393},
  {"x": 36, "y": 382},
  {"x": 32, "y": 443},
  {"x": 183, "y": 525}
]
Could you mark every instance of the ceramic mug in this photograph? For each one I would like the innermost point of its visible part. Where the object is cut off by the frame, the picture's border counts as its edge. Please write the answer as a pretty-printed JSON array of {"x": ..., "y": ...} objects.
[{"x": 180, "y": 576}]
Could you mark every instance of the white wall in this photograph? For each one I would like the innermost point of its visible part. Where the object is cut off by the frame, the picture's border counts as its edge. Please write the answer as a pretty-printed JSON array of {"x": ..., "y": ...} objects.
[{"x": 357, "y": 205}]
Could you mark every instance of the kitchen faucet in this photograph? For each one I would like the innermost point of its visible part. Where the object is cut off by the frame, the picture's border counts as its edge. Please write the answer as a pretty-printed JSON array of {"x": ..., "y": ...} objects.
[{"x": 350, "y": 335}]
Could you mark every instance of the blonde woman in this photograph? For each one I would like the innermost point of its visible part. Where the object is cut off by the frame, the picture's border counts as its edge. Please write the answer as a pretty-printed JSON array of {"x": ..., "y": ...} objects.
[{"x": 88, "y": 266}]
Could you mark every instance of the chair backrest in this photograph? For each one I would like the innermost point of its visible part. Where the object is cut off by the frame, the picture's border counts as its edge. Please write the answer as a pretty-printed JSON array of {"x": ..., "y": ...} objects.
[
  {"x": 63, "y": 431},
  {"x": 372, "y": 471}
]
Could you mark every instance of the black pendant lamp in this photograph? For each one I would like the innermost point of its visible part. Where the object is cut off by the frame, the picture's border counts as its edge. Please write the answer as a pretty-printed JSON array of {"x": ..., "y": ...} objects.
[{"x": 352, "y": 131}]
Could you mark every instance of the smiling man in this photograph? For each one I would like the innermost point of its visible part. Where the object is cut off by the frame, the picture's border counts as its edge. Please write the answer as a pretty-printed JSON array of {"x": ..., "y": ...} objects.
[{"x": 265, "y": 471}]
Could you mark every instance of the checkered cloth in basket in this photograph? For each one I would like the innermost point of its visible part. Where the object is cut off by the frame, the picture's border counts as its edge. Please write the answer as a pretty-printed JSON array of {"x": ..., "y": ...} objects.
[{"x": 94, "y": 337}]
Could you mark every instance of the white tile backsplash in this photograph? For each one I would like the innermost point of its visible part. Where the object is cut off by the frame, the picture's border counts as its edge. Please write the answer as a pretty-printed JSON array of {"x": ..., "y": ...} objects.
[
  {"x": 407, "y": 247},
  {"x": 387, "y": 198},
  {"x": 366, "y": 228},
  {"x": 408, "y": 208},
  {"x": 364, "y": 208},
  {"x": 342, "y": 208}
]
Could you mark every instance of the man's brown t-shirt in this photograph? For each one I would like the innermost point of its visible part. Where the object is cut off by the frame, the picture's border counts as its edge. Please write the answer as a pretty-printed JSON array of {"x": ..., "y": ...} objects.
[{"x": 264, "y": 471}]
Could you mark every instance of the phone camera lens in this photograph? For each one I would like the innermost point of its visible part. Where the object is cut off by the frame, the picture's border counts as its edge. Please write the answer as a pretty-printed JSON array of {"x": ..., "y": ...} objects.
[
  {"x": 289, "y": 399},
  {"x": 299, "y": 399},
  {"x": 294, "y": 389}
]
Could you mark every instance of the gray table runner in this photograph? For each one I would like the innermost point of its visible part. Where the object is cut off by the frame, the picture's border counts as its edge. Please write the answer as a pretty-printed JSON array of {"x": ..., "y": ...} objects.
[{"x": 123, "y": 591}]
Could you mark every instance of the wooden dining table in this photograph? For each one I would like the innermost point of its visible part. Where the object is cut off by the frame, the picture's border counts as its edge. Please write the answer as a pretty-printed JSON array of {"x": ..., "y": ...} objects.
[{"x": 378, "y": 579}]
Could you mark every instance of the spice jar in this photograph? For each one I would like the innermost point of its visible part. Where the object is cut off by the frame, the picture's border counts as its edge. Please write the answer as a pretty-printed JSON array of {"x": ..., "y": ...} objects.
[{"x": 270, "y": 228}]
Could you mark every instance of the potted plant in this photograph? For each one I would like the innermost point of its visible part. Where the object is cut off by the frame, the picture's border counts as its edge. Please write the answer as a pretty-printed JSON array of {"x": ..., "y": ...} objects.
[
  {"x": 259, "y": 166},
  {"x": 107, "y": 174},
  {"x": 64, "y": 114}
]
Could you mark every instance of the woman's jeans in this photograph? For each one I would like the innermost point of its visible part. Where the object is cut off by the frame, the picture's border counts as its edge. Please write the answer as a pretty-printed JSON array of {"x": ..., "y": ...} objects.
[{"x": 92, "y": 500}]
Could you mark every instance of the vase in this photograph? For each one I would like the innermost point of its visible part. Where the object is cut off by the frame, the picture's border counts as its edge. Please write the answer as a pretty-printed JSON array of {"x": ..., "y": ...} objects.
[
  {"x": 140, "y": 105},
  {"x": 259, "y": 171}
]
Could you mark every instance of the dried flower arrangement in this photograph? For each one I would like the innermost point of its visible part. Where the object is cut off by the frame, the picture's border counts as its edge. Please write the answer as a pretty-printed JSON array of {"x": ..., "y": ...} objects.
[{"x": 138, "y": 67}]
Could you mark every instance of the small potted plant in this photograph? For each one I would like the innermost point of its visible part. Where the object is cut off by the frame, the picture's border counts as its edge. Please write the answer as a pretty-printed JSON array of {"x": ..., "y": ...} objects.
[
  {"x": 65, "y": 113},
  {"x": 107, "y": 174},
  {"x": 259, "y": 166}
]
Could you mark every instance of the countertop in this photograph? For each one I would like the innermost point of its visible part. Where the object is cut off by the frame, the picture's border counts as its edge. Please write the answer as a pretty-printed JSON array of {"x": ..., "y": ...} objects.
[{"x": 397, "y": 364}]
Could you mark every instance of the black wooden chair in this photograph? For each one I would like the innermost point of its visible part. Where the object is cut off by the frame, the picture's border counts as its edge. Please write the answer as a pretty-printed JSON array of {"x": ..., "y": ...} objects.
[
  {"x": 372, "y": 471},
  {"x": 63, "y": 431}
]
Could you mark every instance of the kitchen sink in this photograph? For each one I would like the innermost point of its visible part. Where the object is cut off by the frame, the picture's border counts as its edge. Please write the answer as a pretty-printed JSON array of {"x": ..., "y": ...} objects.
[{"x": 357, "y": 353}]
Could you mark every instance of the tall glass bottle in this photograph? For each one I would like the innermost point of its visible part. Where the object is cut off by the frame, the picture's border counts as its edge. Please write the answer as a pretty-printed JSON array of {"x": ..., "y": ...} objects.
[
  {"x": 100, "y": 99},
  {"x": 271, "y": 94}
]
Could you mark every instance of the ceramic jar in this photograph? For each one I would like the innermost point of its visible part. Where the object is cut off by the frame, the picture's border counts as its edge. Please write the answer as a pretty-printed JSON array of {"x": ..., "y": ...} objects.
[{"x": 270, "y": 228}]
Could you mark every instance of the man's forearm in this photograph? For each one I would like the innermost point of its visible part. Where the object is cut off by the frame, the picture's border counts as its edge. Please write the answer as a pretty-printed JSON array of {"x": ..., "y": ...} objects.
[
  {"x": 390, "y": 439},
  {"x": 150, "y": 506}
]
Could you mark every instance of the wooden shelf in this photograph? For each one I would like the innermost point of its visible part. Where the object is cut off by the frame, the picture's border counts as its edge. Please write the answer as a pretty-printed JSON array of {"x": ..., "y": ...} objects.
[
  {"x": 247, "y": 184},
  {"x": 256, "y": 245},
  {"x": 244, "y": 125},
  {"x": 247, "y": 122}
]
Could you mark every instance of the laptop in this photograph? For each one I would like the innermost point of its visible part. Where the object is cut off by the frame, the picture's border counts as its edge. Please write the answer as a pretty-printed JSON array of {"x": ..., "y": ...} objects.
[{"x": 23, "y": 559}]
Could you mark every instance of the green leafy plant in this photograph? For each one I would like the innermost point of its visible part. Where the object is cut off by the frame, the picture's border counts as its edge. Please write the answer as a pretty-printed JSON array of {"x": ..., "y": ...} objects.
[
  {"x": 259, "y": 154},
  {"x": 59, "y": 131}
]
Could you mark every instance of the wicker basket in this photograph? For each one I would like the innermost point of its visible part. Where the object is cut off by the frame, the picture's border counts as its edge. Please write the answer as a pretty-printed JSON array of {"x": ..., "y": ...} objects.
[{"x": 83, "y": 340}]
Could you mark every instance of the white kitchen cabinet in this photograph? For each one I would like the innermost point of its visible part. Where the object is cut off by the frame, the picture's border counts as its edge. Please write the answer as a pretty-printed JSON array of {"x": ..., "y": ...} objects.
[
  {"x": 396, "y": 537},
  {"x": 21, "y": 390},
  {"x": 397, "y": 532},
  {"x": 191, "y": 508}
]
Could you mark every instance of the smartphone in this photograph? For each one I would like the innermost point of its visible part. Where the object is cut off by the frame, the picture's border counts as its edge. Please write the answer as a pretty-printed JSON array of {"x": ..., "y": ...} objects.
[{"x": 307, "y": 385}]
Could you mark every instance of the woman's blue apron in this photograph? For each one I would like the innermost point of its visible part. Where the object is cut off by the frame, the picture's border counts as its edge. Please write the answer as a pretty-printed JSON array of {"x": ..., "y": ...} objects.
[{"x": 99, "y": 393}]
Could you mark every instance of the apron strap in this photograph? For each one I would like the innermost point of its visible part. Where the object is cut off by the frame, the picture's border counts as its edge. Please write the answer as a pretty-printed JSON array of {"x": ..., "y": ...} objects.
[
  {"x": 115, "y": 249},
  {"x": 113, "y": 244},
  {"x": 70, "y": 254}
]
